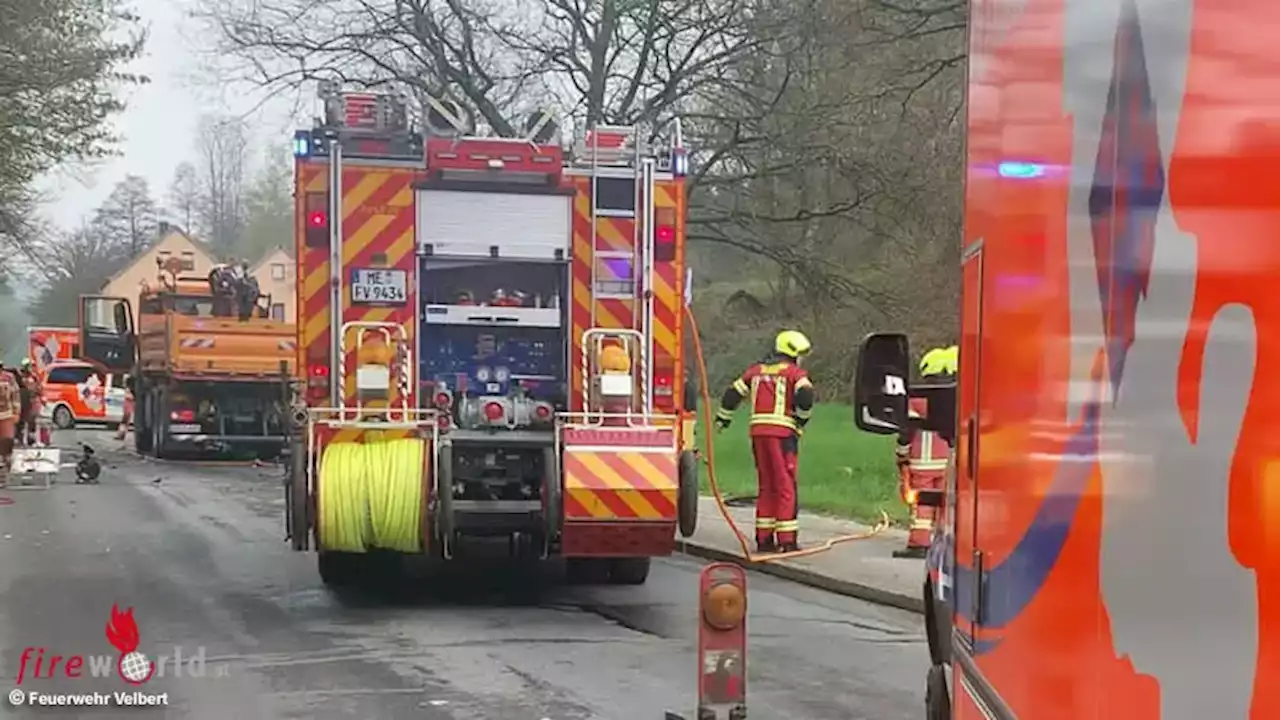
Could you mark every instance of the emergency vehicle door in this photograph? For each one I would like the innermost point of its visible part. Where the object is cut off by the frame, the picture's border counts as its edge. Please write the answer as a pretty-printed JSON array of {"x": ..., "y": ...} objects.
[
  {"x": 965, "y": 504},
  {"x": 106, "y": 332}
]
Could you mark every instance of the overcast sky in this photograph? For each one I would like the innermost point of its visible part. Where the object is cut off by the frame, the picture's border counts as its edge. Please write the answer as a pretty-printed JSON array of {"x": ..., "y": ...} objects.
[{"x": 158, "y": 128}]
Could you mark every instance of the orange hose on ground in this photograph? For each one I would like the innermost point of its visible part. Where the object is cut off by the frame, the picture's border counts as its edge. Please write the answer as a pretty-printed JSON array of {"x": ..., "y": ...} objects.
[{"x": 708, "y": 444}]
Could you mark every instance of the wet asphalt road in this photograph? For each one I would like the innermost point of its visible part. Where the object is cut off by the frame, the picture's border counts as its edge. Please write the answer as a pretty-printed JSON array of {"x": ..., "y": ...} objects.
[{"x": 198, "y": 552}]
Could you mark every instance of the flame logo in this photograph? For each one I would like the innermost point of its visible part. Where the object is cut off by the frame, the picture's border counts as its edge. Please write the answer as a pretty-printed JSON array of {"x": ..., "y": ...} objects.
[{"x": 122, "y": 633}]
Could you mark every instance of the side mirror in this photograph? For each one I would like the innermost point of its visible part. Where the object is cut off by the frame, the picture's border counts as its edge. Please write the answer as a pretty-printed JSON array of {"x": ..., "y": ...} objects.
[{"x": 882, "y": 383}]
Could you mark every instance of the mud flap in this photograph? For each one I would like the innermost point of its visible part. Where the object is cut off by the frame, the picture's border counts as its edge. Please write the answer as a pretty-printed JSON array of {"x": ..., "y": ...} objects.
[{"x": 688, "y": 500}]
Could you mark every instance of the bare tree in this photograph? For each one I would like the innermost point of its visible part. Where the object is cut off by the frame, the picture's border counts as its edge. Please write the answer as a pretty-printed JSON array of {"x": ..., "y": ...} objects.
[
  {"x": 223, "y": 150},
  {"x": 603, "y": 61},
  {"x": 184, "y": 196},
  {"x": 128, "y": 218}
]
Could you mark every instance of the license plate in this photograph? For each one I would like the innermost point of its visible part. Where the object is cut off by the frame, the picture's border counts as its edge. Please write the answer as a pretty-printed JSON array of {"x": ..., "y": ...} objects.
[
  {"x": 184, "y": 428},
  {"x": 377, "y": 285}
]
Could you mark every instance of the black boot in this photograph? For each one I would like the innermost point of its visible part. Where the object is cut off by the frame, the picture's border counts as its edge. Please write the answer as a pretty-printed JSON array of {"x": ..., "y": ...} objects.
[
  {"x": 766, "y": 546},
  {"x": 789, "y": 547}
]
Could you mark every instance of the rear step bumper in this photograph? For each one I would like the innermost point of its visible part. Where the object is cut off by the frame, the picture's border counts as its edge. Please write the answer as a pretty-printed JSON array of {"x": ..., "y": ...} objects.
[{"x": 497, "y": 517}]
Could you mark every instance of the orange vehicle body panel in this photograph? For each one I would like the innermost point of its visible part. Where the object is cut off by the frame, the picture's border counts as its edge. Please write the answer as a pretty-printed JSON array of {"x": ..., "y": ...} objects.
[
  {"x": 215, "y": 347},
  {"x": 1120, "y": 257},
  {"x": 613, "y": 234},
  {"x": 378, "y": 231},
  {"x": 50, "y": 344}
]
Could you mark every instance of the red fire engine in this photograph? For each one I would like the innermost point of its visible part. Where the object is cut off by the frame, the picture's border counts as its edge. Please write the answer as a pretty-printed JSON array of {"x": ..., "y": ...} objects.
[{"x": 493, "y": 338}]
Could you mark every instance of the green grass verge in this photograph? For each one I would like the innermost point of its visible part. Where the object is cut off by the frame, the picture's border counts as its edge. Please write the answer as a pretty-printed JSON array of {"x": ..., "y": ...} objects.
[{"x": 843, "y": 471}]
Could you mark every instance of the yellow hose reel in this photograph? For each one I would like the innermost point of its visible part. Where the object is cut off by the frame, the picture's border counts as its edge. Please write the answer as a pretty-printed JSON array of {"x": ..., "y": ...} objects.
[{"x": 370, "y": 496}]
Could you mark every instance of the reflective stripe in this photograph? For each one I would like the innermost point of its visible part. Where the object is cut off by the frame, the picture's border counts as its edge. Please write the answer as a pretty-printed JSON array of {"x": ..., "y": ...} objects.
[
  {"x": 765, "y": 523},
  {"x": 787, "y": 526},
  {"x": 803, "y": 382},
  {"x": 780, "y": 420},
  {"x": 919, "y": 524},
  {"x": 741, "y": 387},
  {"x": 724, "y": 414},
  {"x": 804, "y": 414}
]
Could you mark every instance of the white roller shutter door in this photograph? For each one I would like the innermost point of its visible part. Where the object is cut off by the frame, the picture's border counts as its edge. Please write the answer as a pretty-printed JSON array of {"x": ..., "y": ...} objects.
[{"x": 470, "y": 224}]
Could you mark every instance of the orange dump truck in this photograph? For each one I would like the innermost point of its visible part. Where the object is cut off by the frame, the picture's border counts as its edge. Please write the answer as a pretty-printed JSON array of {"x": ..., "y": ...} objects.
[{"x": 209, "y": 368}]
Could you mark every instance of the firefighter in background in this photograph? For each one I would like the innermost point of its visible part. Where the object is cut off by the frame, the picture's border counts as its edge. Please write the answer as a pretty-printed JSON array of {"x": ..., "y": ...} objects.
[
  {"x": 782, "y": 399},
  {"x": 937, "y": 365},
  {"x": 10, "y": 407}
]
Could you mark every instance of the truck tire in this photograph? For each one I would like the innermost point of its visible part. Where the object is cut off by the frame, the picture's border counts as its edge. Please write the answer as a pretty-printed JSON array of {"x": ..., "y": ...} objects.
[
  {"x": 444, "y": 499},
  {"x": 62, "y": 418},
  {"x": 629, "y": 571},
  {"x": 553, "y": 490},
  {"x": 586, "y": 571},
  {"x": 337, "y": 569},
  {"x": 159, "y": 425},
  {"x": 143, "y": 417},
  {"x": 937, "y": 701},
  {"x": 687, "y": 504}
]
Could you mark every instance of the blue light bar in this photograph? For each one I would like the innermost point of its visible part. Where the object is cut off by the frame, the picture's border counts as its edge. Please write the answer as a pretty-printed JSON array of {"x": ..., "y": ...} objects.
[
  {"x": 679, "y": 162},
  {"x": 1021, "y": 170},
  {"x": 302, "y": 144}
]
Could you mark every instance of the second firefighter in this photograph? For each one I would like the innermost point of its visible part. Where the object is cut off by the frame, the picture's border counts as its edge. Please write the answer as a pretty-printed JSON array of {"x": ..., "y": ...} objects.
[{"x": 782, "y": 399}]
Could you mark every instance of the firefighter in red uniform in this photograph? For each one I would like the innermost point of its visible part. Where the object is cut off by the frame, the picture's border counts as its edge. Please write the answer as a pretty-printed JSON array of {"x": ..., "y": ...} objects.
[{"x": 782, "y": 399}]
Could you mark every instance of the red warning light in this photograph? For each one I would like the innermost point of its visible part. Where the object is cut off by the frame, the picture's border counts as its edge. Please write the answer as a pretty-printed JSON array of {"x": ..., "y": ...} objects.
[
  {"x": 318, "y": 219},
  {"x": 665, "y": 234}
]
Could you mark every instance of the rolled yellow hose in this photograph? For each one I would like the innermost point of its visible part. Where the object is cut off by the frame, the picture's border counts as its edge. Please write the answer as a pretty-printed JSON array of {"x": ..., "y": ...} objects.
[{"x": 370, "y": 496}]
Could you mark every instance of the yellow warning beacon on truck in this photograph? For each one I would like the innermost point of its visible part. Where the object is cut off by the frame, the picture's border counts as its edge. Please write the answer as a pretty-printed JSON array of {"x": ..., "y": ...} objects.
[{"x": 491, "y": 334}]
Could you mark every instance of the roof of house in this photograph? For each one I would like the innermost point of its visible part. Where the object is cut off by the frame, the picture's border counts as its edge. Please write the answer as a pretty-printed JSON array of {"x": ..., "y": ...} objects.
[
  {"x": 267, "y": 256},
  {"x": 166, "y": 233}
]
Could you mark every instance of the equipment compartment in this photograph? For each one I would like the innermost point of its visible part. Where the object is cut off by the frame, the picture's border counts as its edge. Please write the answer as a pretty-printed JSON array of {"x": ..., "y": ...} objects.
[{"x": 494, "y": 329}]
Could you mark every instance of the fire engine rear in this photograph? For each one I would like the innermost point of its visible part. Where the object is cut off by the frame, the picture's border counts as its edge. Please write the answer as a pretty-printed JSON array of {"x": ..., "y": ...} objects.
[{"x": 492, "y": 333}]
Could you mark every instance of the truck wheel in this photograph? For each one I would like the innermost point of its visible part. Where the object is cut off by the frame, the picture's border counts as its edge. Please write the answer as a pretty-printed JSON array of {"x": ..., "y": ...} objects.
[
  {"x": 937, "y": 702},
  {"x": 338, "y": 569},
  {"x": 143, "y": 418},
  {"x": 629, "y": 571},
  {"x": 158, "y": 424},
  {"x": 444, "y": 498},
  {"x": 297, "y": 495},
  {"x": 687, "y": 506},
  {"x": 62, "y": 418},
  {"x": 552, "y": 490},
  {"x": 586, "y": 571}
]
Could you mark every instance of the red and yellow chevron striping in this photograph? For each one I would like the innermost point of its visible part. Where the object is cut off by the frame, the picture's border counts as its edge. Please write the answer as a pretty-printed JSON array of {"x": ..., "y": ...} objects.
[
  {"x": 620, "y": 484},
  {"x": 378, "y": 232}
]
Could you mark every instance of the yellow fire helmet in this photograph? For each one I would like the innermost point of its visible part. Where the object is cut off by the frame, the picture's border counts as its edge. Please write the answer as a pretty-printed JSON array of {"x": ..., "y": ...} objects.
[
  {"x": 940, "y": 361},
  {"x": 614, "y": 359},
  {"x": 792, "y": 343}
]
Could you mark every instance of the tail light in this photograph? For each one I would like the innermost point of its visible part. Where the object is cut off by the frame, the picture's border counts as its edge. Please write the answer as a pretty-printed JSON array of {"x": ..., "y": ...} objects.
[
  {"x": 444, "y": 399},
  {"x": 183, "y": 416},
  {"x": 663, "y": 382},
  {"x": 317, "y": 231},
  {"x": 444, "y": 422},
  {"x": 664, "y": 234},
  {"x": 318, "y": 384}
]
